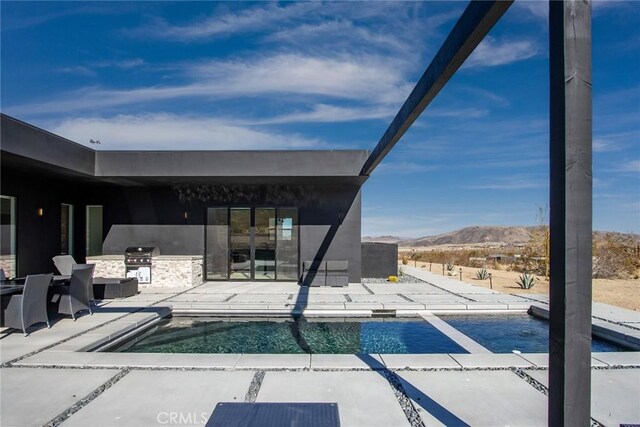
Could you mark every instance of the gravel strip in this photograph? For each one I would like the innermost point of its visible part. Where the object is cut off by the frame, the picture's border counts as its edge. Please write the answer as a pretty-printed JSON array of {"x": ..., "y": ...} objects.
[
  {"x": 367, "y": 288},
  {"x": 406, "y": 298},
  {"x": 544, "y": 390},
  {"x": 230, "y": 297},
  {"x": 406, "y": 278},
  {"x": 86, "y": 400},
  {"x": 254, "y": 387},
  {"x": 532, "y": 381},
  {"x": 405, "y": 403}
]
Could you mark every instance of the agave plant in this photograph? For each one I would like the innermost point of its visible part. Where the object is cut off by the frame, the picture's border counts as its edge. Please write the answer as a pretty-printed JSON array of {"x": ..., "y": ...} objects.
[
  {"x": 449, "y": 266},
  {"x": 482, "y": 274},
  {"x": 526, "y": 281}
]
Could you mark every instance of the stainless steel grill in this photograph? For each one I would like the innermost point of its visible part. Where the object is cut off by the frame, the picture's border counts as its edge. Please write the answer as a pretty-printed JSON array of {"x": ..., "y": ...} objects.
[{"x": 137, "y": 261}]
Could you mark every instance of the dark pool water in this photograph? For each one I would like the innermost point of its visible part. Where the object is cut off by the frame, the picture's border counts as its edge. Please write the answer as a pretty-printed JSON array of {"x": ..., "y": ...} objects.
[
  {"x": 503, "y": 333},
  {"x": 197, "y": 335}
]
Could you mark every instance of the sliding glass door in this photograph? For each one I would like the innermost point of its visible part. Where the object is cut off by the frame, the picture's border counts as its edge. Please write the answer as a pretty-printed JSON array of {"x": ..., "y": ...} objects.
[
  {"x": 66, "y": 229},
  {"x": 265, "y": 244},
  {"x": 240, "y": 243},
  {"x": 217, "y": 244},
  {"x": 8, "y": 235},
  {"x": 244, "y": 243},
  {"x": 287, "y": 237}
]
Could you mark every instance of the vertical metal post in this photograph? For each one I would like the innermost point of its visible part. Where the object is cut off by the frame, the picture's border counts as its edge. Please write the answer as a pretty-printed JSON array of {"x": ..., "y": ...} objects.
[{"x": 570, "y": 213}]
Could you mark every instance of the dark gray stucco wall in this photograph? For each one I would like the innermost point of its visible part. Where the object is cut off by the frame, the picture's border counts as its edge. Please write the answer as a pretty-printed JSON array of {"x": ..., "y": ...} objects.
[
  {"x": 379, "y": 259},
  {"x": 331, "y": 229},
  {"x": 141, "y": 205},
  {"x": 38, "y": 239},
  {"x": 329, "y": 218},
  {"x": 170, "y": 239}
]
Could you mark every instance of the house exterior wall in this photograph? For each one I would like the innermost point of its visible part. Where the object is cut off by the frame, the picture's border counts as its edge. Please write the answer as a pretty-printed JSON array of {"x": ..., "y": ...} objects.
[
  {"x": 329, "y": 219},
  {"x": 145, "y": 195}
]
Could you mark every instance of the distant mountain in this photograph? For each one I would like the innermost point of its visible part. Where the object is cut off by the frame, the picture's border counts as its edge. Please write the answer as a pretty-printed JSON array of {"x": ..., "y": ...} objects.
[
  {"x": 477, "y": 236},
  {"x": 488, "y": 235}
]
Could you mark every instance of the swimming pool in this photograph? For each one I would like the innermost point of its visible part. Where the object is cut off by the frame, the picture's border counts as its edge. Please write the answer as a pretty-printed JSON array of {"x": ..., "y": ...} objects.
[
  {"x": 286, "y": 336},
  {"x": 504, "y": 333},
  {"x": 499, "y": 333}
]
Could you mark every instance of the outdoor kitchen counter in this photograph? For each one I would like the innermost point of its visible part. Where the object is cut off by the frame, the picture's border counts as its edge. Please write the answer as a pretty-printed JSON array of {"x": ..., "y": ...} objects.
[{"x": 168, "y": 271}]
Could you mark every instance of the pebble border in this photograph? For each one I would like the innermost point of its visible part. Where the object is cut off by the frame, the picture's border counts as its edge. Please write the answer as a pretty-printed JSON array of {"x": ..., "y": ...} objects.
[
  {"x": 86, "y": 400},
  {"x": 403, "y": 400},
  {"x": 230, "y": 297},
  {"x": 406, "y": 298},
  {"x": 367, "y": 289},
  {"x": 254, "y": 387}
]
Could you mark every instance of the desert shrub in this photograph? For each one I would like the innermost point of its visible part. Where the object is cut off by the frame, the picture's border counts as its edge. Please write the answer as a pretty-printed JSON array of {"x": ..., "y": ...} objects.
[
  {"x": 405, "y": 260},
  {"x": 482, "y": 274},
  {"x": 449, "y": 266},
  {"x": 526, "y": 281},
  {"x": 615, "y": 256},
  {"x": 393, "y": 279}
]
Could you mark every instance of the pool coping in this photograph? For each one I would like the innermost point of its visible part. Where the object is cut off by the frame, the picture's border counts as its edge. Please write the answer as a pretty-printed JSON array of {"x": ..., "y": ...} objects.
[
  {"x": 314, "y": 362},
  {"x": 86, "y": 350}
]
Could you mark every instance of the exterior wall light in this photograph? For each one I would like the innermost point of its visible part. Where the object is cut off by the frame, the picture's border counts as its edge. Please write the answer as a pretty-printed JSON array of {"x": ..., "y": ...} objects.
[
  {"x": 186, "y": 216},
  {"x": 40, "y": 212}
]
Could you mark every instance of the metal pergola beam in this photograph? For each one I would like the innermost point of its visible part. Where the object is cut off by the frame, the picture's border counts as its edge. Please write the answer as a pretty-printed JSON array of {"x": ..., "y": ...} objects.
[
  {"x": 474, "y": 24},
  {"x": 570, "y": 213}
]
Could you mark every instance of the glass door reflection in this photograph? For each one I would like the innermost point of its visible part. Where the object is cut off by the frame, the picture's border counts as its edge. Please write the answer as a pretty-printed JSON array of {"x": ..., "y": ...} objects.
[
  {"x": 217, "y": 239},
  {"x": 240, "y": 244},
  {"x": 265, "y": 244}
]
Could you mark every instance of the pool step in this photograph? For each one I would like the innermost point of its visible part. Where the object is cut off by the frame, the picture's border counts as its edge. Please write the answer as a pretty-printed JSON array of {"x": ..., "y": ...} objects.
[{"x": 383, "y": 313}]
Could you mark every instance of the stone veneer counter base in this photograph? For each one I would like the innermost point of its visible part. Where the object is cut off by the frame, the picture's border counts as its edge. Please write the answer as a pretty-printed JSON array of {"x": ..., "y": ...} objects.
[{"x": 167, "y": 271}]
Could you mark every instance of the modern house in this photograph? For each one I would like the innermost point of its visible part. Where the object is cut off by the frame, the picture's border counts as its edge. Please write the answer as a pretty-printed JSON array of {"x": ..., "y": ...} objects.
[{"x": 235, "y": 215}]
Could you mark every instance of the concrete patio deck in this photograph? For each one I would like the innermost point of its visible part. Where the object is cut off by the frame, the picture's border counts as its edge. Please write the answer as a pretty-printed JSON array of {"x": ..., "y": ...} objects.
[{"x": 49, "y": 378}]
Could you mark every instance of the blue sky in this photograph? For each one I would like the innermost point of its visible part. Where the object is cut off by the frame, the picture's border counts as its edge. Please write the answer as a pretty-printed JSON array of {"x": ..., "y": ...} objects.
[{"x": 235, "y": 75}]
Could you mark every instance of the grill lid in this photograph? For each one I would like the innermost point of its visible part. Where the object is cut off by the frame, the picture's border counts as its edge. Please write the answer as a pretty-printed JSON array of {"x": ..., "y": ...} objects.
[{"x": 142, "y": 250}]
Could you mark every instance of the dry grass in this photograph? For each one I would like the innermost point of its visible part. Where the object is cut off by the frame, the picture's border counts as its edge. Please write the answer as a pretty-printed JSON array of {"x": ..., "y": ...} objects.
[{"x": 621, "y": 293}]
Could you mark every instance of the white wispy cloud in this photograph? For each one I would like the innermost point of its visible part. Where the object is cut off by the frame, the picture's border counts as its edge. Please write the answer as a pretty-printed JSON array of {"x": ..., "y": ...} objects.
[
  {"x": 224, "y": 23},
  {"x": 325, "y": 113},
  {"x": 601, "y": 145},
  {"x": 632, "y": 166},
  {"x": 341, "y": 34},
  {"x": 90, "y": 68},
  {"x": 79, "y": 70},
  {"x": 167, "y": 131},
  {"x": 119, "y": 63},
  {"x": 492, "y": 52},
  {"x": 515, "y": 182},
  {"x": 364, "y": 78},
  {"x": 404, "y": 168}
]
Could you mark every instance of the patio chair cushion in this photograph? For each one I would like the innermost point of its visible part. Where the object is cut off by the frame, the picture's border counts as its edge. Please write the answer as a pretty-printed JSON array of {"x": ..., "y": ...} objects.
[
  {"x": 109, "y": 288},
  {"x": 274, "y": 414}
]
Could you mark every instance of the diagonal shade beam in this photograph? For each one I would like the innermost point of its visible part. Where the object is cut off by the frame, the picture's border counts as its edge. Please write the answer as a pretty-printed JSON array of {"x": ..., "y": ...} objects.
[{"x": 474, "y": 24}]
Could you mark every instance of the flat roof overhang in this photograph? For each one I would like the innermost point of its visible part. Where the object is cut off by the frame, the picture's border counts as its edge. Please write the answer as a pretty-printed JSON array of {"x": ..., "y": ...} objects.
[{"x": 27, "y": 147}]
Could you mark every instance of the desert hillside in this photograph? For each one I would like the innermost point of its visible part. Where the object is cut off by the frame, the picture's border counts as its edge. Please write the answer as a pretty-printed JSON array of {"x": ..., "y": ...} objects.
[
  {"x": 479, "y": 236},
  {"x": 484, "y": 235}
]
